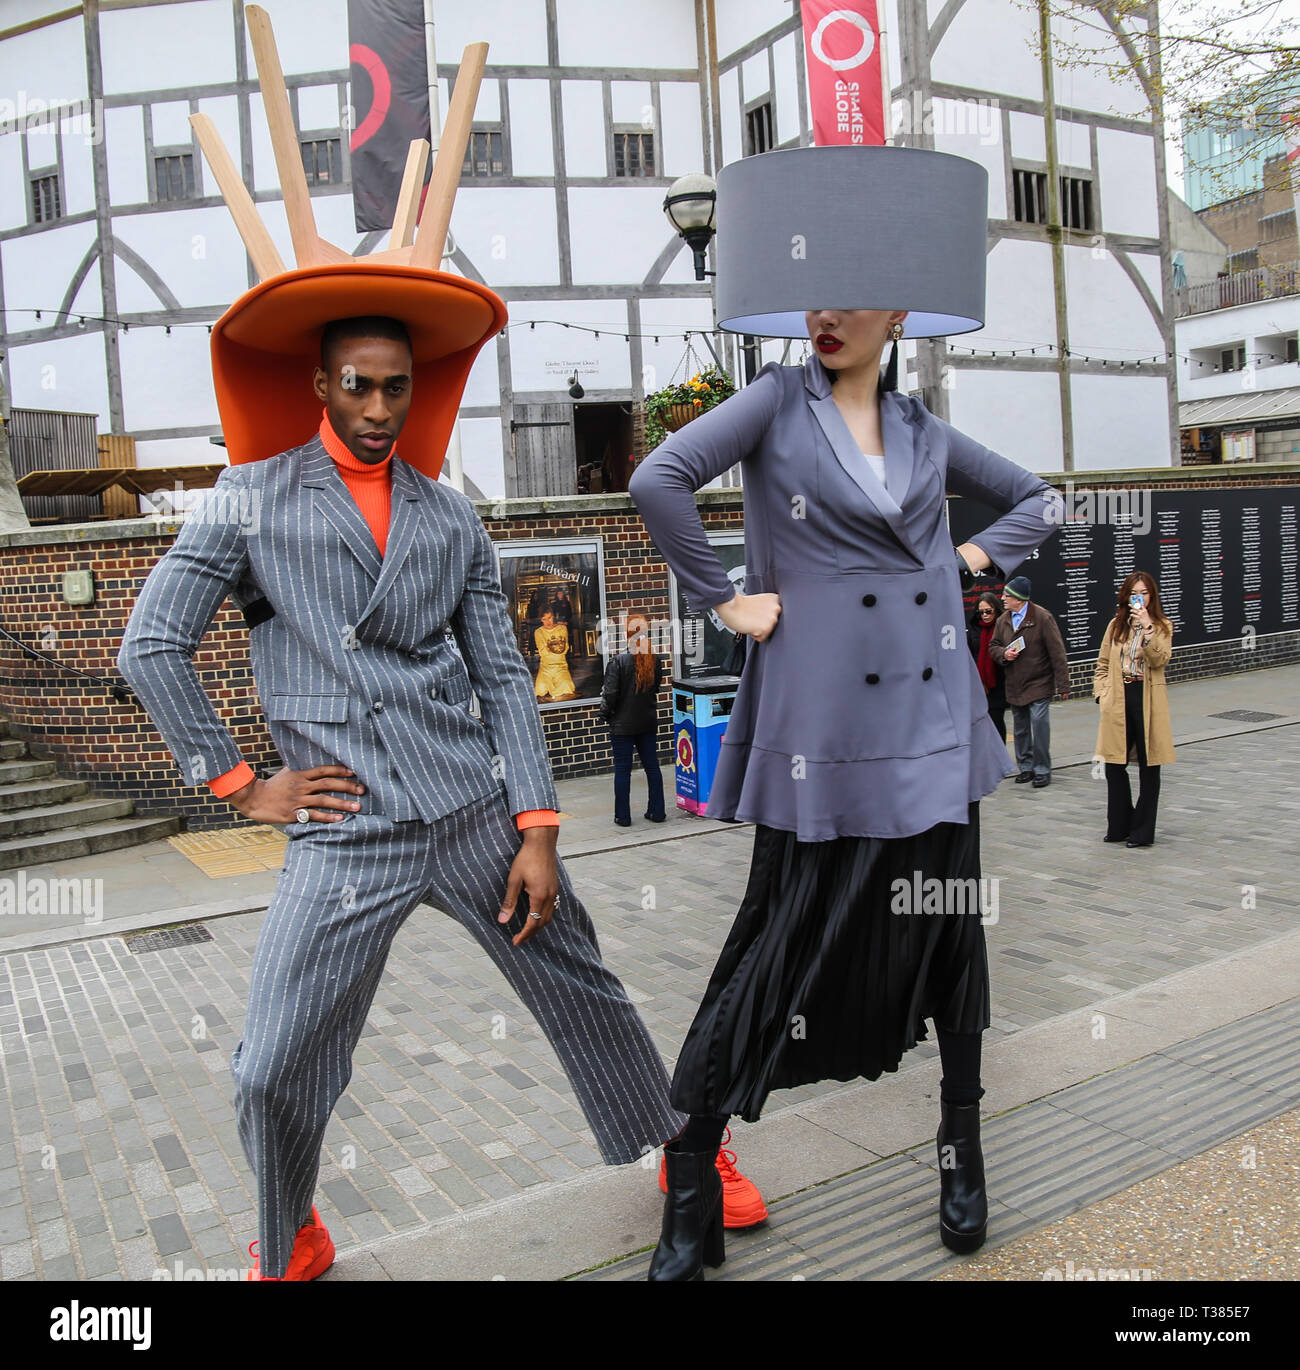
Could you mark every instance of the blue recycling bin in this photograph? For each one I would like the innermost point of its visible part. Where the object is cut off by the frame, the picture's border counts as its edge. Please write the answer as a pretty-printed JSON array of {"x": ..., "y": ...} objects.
[{"x": 701, "y": 708}]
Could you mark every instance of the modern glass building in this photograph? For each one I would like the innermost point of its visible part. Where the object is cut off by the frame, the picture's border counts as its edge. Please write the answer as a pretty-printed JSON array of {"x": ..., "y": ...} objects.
[{"x": 1224, "y": 160}]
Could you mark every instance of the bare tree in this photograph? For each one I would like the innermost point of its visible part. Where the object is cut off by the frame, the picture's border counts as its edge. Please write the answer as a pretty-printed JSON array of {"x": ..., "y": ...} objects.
[{"x": 1230, "y": 65}]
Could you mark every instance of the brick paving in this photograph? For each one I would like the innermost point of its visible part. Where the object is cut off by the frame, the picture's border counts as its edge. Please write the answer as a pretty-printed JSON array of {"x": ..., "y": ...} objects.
[{"x": 118, "y": 1150}]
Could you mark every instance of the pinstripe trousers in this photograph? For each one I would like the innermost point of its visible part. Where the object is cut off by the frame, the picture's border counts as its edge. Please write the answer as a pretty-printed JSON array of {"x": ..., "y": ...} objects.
[{"x": 345, "y": 890}]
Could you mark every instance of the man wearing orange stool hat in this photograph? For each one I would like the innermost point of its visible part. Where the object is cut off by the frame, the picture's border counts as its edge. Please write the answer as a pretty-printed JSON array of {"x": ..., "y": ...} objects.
[
  {"x": 350, "y": 573},
  {"x": 374, "y": 608}
]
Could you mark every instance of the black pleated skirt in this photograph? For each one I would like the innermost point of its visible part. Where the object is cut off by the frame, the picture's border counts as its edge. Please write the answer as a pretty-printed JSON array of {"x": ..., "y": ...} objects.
[{"x": 839, "y": 952}]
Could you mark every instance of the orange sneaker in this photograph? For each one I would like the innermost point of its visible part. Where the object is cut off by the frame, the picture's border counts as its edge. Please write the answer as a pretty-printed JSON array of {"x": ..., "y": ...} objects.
[
  {"x": 312, "y": 1255},
  {"x": 742, "y": 1204}
]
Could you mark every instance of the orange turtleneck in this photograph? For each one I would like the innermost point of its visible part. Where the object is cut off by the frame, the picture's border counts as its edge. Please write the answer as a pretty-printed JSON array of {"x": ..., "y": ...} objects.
[{"x": 371, "y": 485}]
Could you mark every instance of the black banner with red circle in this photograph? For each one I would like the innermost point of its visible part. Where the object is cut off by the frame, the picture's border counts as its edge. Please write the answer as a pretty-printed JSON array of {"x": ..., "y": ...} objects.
[{"x": 390, "y": 101}]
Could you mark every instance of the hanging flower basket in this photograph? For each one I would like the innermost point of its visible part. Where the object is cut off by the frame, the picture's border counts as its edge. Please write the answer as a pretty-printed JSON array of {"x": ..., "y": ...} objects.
[
  {"x": 677, "y": 415},
  {"x": 669, "y": 409}
]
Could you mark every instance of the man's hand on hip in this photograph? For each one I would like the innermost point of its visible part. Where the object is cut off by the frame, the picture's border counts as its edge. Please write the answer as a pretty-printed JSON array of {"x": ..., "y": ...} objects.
[
  {"x": 280, "y": 799},
  {"x": 533, "y": 870}
]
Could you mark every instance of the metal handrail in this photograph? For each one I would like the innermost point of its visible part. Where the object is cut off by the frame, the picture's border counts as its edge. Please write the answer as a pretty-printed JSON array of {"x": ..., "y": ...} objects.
[
  {"x": 120, "y": 692},
  {"x": 1240, "y": 287}
]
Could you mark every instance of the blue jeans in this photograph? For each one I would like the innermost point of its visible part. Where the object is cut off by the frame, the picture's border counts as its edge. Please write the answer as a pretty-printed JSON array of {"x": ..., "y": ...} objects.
[
  {"x": 1033, "y": 733},
  {"x": 643, "y": 744}
]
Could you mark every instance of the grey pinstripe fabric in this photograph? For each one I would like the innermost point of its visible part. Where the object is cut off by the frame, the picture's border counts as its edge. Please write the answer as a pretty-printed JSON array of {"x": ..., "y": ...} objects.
[
  {"x": 356, "y": 667},
  {"x": 346, "y": 889}
]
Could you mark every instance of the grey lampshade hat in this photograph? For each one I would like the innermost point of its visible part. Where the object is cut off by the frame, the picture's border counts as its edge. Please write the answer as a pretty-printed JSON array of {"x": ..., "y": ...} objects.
[{"x": 851, "y": 228}]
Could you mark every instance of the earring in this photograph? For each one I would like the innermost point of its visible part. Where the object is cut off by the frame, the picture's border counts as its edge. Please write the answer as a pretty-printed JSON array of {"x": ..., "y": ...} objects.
[{"x": 896, "y": 332}]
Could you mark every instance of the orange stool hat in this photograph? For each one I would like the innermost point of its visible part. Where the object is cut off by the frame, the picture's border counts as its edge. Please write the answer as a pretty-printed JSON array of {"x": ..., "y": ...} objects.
[{"x": 266, "y": 344}]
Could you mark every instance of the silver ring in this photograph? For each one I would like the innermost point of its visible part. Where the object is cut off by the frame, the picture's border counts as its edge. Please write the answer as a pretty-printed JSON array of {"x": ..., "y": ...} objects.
[
  {"x": 534, "y": 915},
  {"x": 303, "y": 816}
]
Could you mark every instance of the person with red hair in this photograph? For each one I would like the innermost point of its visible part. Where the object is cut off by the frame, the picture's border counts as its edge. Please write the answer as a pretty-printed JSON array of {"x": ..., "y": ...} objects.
[{"x": 629, "y": 702}]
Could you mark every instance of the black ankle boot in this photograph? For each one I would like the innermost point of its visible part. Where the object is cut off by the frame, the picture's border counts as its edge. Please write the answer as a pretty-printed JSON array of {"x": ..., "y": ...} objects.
[
  {"x": 963, "y": 1205},
  {"x": 691, "y": 1236}
]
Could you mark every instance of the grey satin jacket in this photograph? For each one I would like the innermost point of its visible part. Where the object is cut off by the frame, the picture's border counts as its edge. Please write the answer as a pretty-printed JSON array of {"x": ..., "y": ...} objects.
[
  {"x": 863, "y": 713},
  {"x": 355, "y": 668}
]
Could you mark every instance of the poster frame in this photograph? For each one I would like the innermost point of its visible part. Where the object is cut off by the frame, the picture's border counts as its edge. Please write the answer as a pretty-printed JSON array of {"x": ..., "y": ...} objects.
[
  {"x": 517, "y": 548},
  {"x": 730, "y": 537}
]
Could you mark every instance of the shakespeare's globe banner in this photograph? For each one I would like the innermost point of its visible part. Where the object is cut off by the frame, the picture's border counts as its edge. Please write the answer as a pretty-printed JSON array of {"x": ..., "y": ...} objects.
[
  {"x": 845, "y": 83},
  {"x": 390, "y": 98}
]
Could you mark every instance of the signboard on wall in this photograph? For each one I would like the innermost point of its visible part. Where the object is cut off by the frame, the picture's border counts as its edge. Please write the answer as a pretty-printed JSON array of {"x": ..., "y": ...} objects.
[
  {"x": 1225, "y": 561},
  {"x": 1239, "y": 446},
  {"x": 555, "y": 594},
  {"x": 706, "y": 642}
]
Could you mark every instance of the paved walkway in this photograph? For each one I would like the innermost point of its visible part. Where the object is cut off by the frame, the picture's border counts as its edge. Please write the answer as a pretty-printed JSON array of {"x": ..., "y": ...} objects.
[{"x": 458, "y": 1149}]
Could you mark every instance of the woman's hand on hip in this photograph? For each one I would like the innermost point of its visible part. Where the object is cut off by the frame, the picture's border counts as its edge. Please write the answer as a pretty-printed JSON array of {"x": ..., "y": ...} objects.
[{"x": 755, "y": 615}]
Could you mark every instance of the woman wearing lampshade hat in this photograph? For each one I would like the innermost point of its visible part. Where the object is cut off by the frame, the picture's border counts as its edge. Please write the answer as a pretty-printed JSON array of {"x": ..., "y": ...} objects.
[{"x": 859, "y": 744}]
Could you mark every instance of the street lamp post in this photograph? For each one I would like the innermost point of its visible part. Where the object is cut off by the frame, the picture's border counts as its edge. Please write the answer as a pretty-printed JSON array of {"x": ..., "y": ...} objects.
[{"x": 691, "y": 205}]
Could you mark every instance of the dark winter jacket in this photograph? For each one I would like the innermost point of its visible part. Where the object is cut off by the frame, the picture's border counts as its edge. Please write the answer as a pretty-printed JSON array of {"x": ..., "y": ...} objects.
[
  {"x": 629, "y": 711},
  {"x": 1041, "y": 670}
]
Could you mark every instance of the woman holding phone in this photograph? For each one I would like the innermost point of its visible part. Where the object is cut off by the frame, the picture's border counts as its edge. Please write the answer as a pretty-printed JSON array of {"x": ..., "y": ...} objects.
[{"x": 1129, "y": 684}]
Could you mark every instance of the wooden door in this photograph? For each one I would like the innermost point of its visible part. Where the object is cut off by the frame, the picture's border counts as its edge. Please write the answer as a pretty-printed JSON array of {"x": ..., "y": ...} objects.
[{"x": 544, "y": 450}]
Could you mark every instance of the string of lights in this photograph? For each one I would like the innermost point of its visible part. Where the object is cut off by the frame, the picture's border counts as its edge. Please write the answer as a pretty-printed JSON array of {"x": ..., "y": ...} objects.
[
  {"x": 83, "y": 319},
  {"x": 673, "y": 335}
]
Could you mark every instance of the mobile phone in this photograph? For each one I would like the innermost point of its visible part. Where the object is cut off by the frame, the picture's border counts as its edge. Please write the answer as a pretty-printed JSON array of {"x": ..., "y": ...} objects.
[{"x": 1135, "y": 601}]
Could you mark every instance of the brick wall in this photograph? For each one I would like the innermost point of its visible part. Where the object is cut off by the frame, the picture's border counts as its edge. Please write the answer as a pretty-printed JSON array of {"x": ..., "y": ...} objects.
[
  {"x": 79, "y": 725},
  {"x": 77, "y": 722}
]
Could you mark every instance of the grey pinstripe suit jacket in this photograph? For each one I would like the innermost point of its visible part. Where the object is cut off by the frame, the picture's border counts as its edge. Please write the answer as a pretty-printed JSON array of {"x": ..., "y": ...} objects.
[{"x": 356, "y": 666}]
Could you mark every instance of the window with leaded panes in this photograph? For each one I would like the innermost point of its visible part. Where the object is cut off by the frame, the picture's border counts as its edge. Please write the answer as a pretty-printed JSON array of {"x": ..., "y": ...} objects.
[
  {"x": 485, "y": 153},
  {"x": 1029, "y": 191},
  {"x": 46, "y": 199},
  {"x": 634, "y": 153},
  {"x": 758, "y": 129},
  {"x": 322, "y": 160},
  {"x": 173, "y": 176}
]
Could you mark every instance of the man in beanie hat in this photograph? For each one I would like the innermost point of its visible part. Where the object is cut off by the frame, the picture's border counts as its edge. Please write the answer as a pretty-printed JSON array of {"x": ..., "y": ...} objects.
[{"x": 1027, "y": 644}]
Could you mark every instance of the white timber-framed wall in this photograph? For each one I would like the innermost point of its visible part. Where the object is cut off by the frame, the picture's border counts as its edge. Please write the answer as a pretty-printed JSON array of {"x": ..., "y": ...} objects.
[
  {"x": 1114, "y": 301},
  {"x": 558, "y": 235}
]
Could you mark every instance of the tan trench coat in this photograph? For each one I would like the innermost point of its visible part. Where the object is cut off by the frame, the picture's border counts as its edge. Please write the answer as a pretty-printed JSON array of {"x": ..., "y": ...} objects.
[{"x": 1108, "y": 687}]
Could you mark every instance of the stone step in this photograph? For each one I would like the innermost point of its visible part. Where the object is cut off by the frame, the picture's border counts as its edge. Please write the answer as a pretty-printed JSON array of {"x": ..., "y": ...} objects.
[
  {"x": 15, "y": 772},
  {"x": 11, "y": 748},
  {"x": 48, "y": 817},
  {"x": 38, "y": 793},
  {"x": 38, "y": 848}
]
